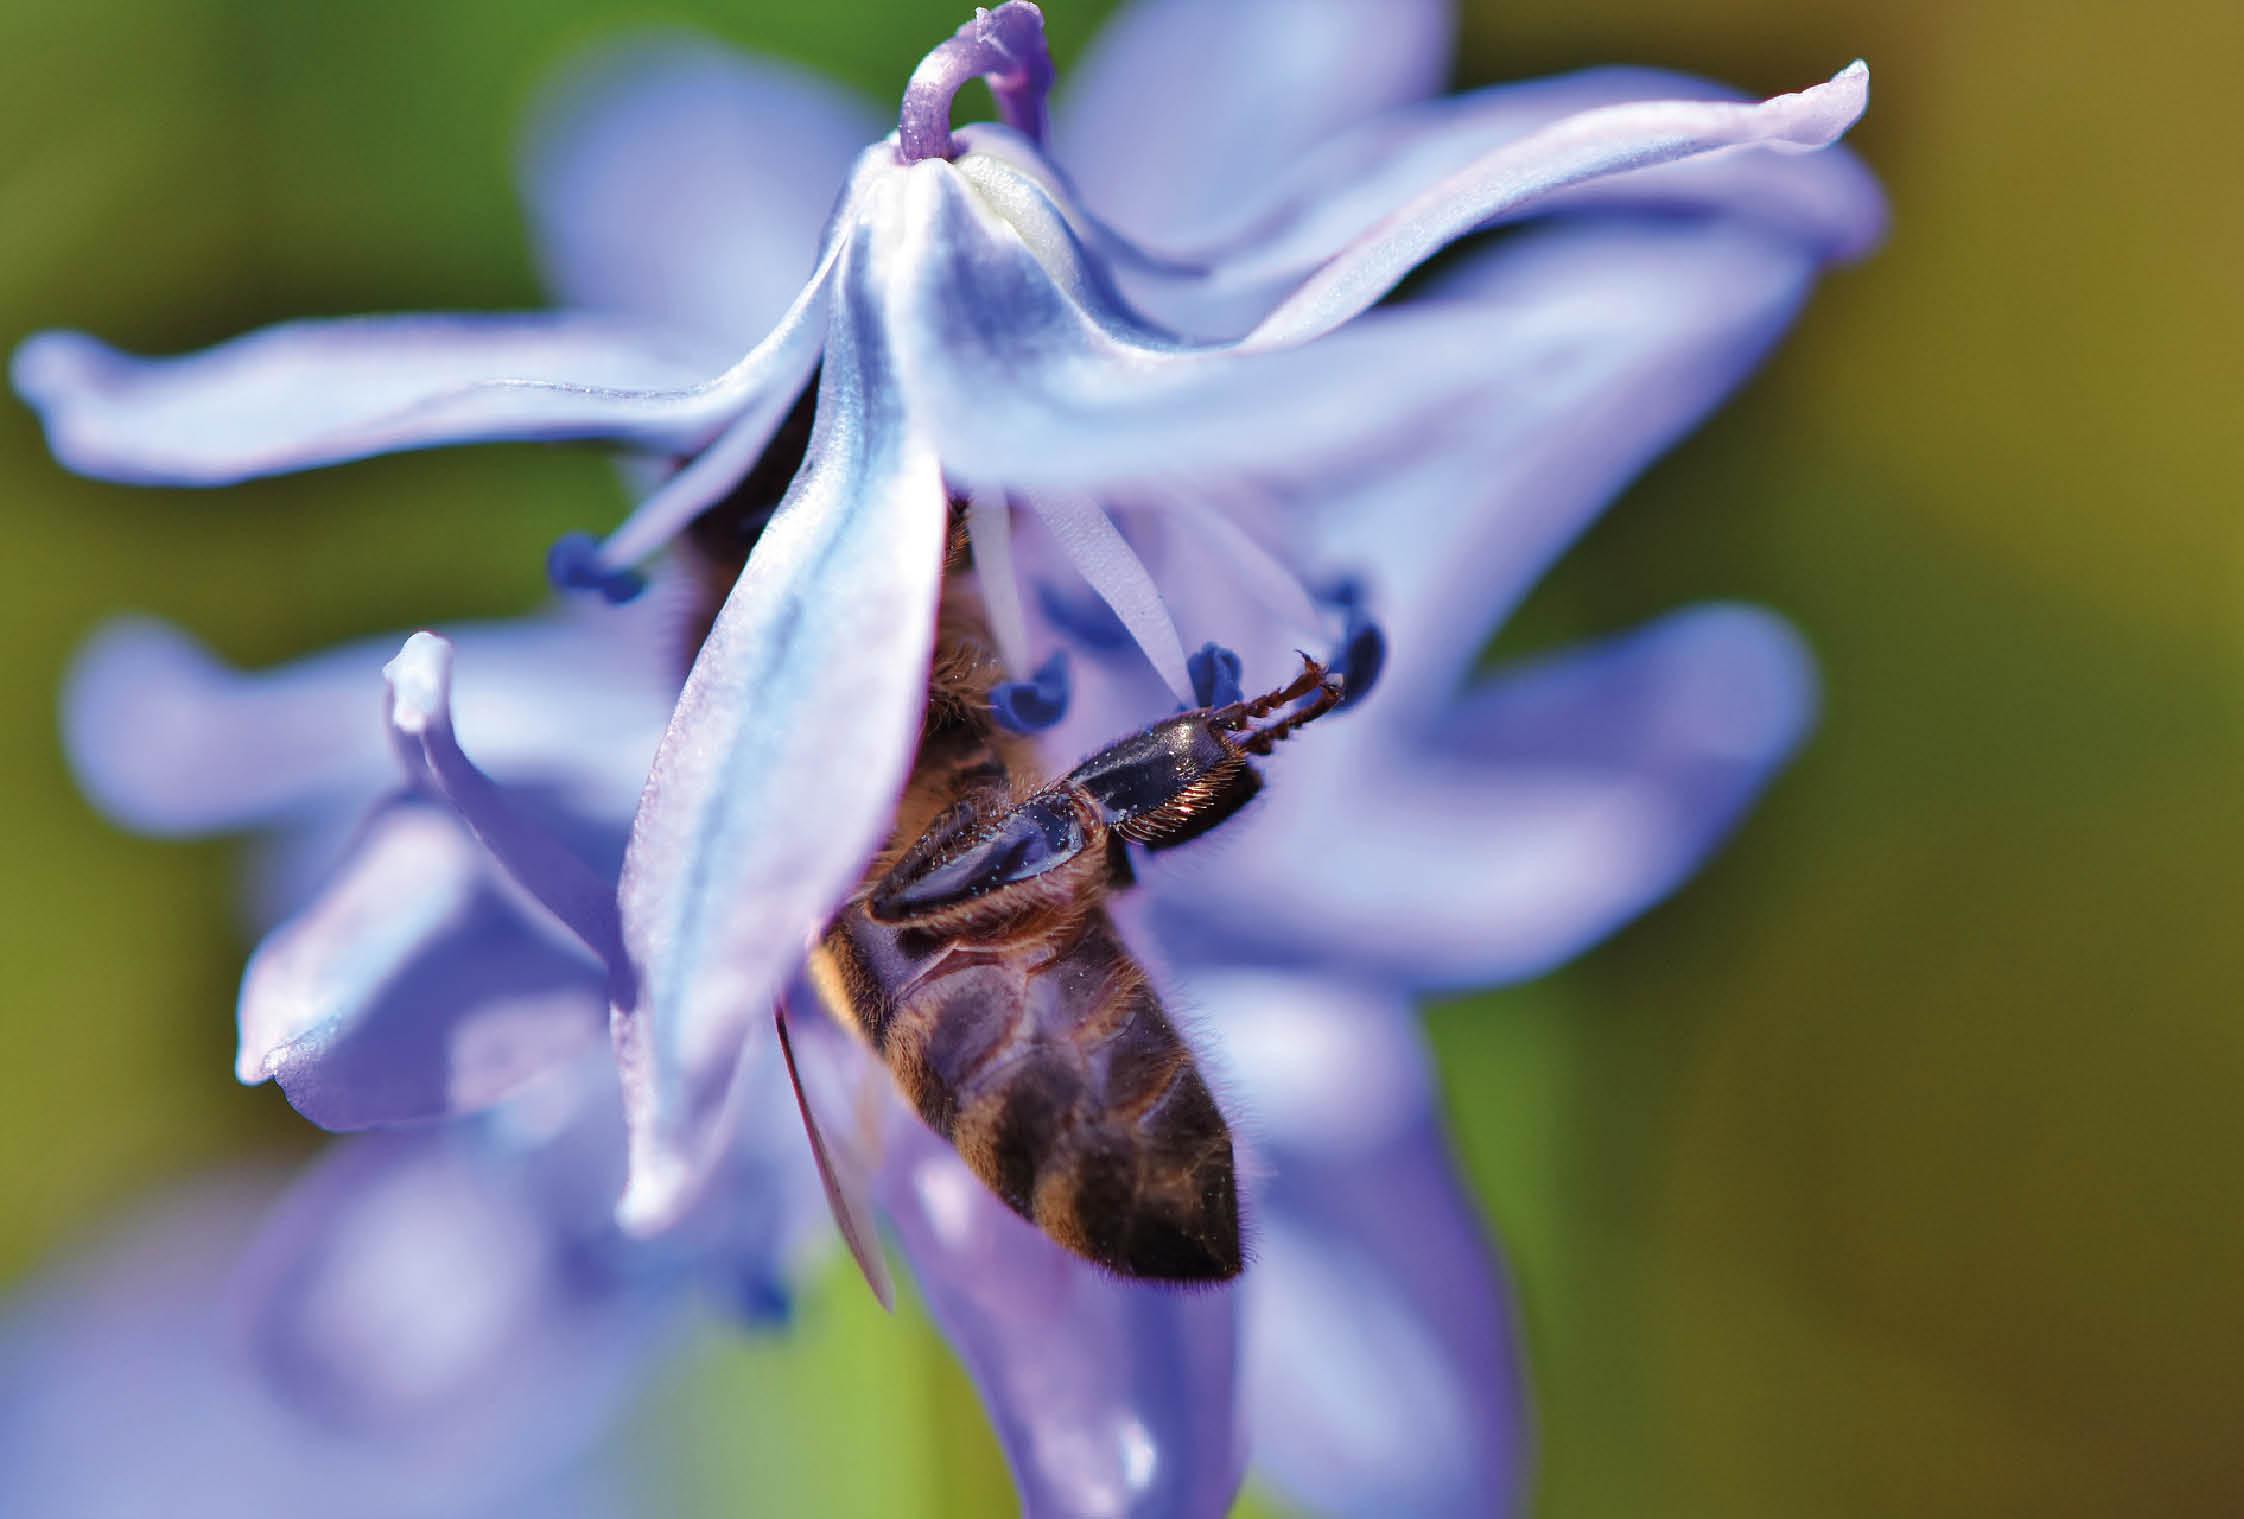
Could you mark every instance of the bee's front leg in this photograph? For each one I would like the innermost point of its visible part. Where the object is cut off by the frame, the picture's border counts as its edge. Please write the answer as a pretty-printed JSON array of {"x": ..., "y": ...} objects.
[{"x": 1174, "y": 781}]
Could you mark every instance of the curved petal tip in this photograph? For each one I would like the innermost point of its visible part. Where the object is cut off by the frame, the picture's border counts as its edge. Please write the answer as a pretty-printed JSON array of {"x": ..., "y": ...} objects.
[
  {"x": 1763, "y": 693},
  {"x": 420, "y": 680},
  {"x": 53, "y": 372},
  {"x": 47, "y": 363},
  {"x": 1825, "y": 111},
  {"x": 660, "y": 1189},
  {"x": 136, "y": 704}
]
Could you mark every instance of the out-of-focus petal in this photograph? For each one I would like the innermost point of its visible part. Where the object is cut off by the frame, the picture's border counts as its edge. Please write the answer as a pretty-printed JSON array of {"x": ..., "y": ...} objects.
[
  {"x": 168, "y": 740},
  {"x": 1381, "y": 1372},
  {"x": 126, "y": 1390},
  {"x": 1179, "y": 109},
  {"x": 1615, "y": 339},
  {"x": 1566, "y": 798},
  {"x": 410, "y": 988},
  {"x": 412, "y": 1289},
  {"x": 1525, "y": 173},
  {"x": 685, "y": 185},
  {"x": 1110, "y": 1397},
  {"x": 790, "y": 743},
  {"x": 311, "y": 393}
]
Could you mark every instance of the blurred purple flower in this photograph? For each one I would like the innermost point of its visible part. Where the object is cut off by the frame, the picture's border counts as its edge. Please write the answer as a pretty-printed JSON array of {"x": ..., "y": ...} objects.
[
  {"x": 978, "y": 324},
  {"x": 442, "y": 1317},
  {"x": 125, "y": 1389}
]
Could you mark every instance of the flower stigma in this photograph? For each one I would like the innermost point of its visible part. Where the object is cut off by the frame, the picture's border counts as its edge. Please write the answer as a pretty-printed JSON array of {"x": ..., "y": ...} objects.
[{"x": 1006, "y": 47}]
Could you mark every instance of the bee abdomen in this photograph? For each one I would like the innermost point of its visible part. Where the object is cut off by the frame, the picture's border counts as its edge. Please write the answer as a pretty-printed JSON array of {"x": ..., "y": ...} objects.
[
  {"x": 1117, "y": 1150},
  {"x": 1156, "y": 1197}
]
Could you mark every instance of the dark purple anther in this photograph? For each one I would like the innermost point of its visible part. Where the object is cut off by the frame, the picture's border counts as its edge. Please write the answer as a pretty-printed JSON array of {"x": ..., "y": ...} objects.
[
  {"x": 574, "y": 564},
  {"x": 1032, "y": 705},
  {"x": 1215, "y": 672},
  {"x": 1004, "y": 46}
]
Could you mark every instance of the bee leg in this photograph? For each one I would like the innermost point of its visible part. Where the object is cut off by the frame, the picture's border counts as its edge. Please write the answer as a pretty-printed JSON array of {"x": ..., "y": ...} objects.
[
  {"x": 1329, "y": 695},
  {"x": 1215, "y": 799},
  {"x": 1183, "y": 776},
  {"x": 846, "y": 1181},
  {"x": 1239, "y": 714},
  {"x": 1119, "y": 872}
]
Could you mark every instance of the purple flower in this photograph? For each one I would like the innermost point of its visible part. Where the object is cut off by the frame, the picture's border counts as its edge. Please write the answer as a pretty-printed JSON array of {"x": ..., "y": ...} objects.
[
  {"x": 1158, "y": 362},
  {"x": 128, "y": 1386},
  {"x": 442, "y": 1318}
]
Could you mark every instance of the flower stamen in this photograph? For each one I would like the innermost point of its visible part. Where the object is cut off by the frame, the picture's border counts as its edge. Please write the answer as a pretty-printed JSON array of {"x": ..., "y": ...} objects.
[
  {"x": 576, "y": 563},
  {"x": 1035, "y": 704},
  {"x": 760, "y": 452},
  {"x": 1362, "y": 651},
  {"x": 1259, "y": 573},
  {"x": 989, "y": 528},
  {"x": 1215, "y": 676},
  {"x": 1086, "y": 619},
  {"x": 1005, "y": 46},
  {"x": 1111, "y": 567}
]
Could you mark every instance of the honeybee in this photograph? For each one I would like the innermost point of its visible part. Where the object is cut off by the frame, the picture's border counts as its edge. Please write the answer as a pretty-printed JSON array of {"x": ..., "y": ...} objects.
[{"x": 978, "y": 961}]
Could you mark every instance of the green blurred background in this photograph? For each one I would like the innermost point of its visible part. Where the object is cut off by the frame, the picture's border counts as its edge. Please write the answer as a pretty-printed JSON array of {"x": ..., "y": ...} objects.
[{"x": 1893, "y": 1168}]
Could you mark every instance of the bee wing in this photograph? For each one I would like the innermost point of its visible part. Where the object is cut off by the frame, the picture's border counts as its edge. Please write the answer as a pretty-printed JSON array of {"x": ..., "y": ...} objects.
[{"x": 846, "y": 1175}]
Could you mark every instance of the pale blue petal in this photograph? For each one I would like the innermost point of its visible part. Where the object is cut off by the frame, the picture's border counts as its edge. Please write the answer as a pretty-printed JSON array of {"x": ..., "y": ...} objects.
[
  {"x": 311, "y": 393},
  {"x": 1382, "y": 1374},
  {"x": 1524, "y": 174},
  {"x": 1181, "y": 109},
  {"x": 790, "y": 743},
  {"x": 1562, "y": 800},
  {"x": 1826, "y": 200},
  {"x": 1111, "y": 1398},
  {"x": 768, "y": 382},
  {"x": 789, "y": 358},
  {"x": 166, "y": 739},
  {"x": 579, "y": 894},
  {"x": 435, "y": 973},
  {"x": 1028, "y": 384},
  {"x": 679, "y": 183},
  {"x": 1608, "y": 341},
  {"x": 411, "y": 987}
]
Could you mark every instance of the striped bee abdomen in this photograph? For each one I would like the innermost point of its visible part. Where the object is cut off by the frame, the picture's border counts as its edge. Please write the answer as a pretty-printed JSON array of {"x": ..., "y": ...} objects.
[{"x": 1050, "y": 1065}]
